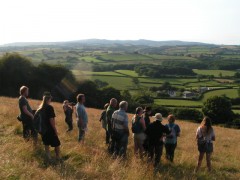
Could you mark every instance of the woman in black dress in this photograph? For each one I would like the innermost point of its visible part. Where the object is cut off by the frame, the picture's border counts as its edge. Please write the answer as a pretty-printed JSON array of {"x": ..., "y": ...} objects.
[{"x": 50, "y": 137}]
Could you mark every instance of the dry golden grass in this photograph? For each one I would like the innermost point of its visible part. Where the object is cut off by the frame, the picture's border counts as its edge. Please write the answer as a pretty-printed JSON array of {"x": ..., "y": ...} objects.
[{"x": 19, "y": 160}]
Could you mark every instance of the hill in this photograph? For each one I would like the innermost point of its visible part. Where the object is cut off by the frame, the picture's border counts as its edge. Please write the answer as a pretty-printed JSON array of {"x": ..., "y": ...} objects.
[
  {"x": 140, "y": 42},
  {"x": 18, "y": 159}
]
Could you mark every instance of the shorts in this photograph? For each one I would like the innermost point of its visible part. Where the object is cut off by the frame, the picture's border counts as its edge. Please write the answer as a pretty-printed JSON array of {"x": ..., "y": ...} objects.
[
  {"x": 139, "y": 138},
  {"x": 205, "y": 147},
  {"x": 51, "y": 139}
]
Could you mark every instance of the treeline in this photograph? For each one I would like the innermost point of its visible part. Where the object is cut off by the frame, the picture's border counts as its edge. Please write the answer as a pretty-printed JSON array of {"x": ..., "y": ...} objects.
[
  {"x": 17, "y": 70},
  {"x": 205, "y": 64},
  {"x": 161, "y": 71},
  {"x": 112, "y": 67}
]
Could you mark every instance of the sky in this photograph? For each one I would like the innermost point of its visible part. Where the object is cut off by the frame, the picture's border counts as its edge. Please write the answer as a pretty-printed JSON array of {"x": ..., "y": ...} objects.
[{"x": 209, "y": 21}]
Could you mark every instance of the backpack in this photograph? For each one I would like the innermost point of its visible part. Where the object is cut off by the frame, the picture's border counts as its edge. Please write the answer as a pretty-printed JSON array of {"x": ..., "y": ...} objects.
[
  {"x": 137, "y": 126},
  {"x": 39, "y": 122},
  {"x": 172, "y": 137}
]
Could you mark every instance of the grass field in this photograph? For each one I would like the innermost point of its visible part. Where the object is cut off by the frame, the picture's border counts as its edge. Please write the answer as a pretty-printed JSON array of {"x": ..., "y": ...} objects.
[
  {"x": 231, "y": 93},
  {"x": 129, "y": 73},
  {"x": 125, "y": 57},
  {"x": 20, "y": 160},
  {"x": 215, "y": 73},
  {"x": 176, "y": 102},
  {"x": 91, "y": 73}
]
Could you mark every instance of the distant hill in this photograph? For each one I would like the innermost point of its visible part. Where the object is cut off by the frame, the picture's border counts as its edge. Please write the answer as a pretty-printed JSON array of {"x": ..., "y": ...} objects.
[{"x": 100, "y": 42}]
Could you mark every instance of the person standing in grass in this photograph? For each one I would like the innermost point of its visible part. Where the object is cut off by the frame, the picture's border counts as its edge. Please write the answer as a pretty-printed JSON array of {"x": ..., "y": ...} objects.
[
  {"x": 82, "y": 117},
  {"x": 155, "y": 133},
  {"x": 68, "y": 111},
  {"x": 103, "y": 119},
  {"x": 111, "y": 108},
  {"x": 170, "y": 140},
  {"x": 146, "y": 117},
  {"x": 120, "y": 129},
  {"x": 138, "y": 128},
  {"x": 50, "y": 136},
  {"x": 205, "y": 136},
  {"x": 26, "y": 115}
]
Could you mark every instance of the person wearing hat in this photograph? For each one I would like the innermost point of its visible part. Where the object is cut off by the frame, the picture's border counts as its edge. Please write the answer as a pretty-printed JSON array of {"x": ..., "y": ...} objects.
[
  {"x": 50, "y": 136},
  {"x": 155, "y": 133}
]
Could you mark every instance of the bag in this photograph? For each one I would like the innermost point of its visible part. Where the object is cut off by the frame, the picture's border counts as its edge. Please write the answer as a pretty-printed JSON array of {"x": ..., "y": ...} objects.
[
  {"x": 172, "y": 137},
  {"x": 39, "y": 122},
  {"x": 136, "y": 126}
]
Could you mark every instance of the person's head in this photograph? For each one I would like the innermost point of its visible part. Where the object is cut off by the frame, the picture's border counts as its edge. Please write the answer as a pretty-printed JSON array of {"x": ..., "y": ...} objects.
[
  {"x": 123, "y": 105},
  {"x": 148, "y": 110},
  {"x": 113, "y": 102},
  {"x": 24, "y": 91},
  {"x": 171, "y": 118},
  {"x": 106, "y": 106},
  {"x": 158, "y": 117},
  {"x": 81, "y": 98},
  {"x": 47, "y": 98},
  {"x": 207, "y": 123},
  {"x": 139, "y": 111}
]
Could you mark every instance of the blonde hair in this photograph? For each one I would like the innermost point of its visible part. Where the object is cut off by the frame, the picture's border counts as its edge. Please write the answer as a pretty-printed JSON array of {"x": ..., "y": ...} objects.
[
  {"x": 207, "y": 123},
  {"x": 23, "y": 89},
  {"x": 44, "y": 102}
]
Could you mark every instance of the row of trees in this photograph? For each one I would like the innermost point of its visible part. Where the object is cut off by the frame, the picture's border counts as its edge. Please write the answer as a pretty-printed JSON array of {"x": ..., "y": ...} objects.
[{"x": 161, "y": 71}]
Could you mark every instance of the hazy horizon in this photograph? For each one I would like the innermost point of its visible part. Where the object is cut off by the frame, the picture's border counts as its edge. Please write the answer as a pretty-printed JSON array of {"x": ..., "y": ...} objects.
[{"x": 214, "y": 22}]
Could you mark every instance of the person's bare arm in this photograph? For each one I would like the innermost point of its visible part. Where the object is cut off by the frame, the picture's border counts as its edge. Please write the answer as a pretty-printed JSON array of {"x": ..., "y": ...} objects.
[
  {"x": 52, "y": 122},
  {"x": 25, "y": 110}
]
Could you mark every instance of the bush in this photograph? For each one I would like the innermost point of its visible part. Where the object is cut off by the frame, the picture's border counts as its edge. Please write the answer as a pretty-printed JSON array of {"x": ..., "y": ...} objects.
[
  {"x": 188, "y": 114},
  {"x": 219, "y": 109}
]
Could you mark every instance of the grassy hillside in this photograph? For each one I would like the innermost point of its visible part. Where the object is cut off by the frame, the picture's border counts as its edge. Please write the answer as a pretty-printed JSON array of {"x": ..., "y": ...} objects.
[{"x": 19, "y": 160}]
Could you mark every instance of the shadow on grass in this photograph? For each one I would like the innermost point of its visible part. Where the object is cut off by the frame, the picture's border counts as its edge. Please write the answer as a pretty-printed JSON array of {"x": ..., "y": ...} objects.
[
  {"x": 177, "y": 171},
  {"x": 63, "y": 168}
]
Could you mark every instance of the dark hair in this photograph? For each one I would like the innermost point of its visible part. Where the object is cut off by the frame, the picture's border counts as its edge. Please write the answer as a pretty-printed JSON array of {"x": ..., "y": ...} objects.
[
  {"x": 80, "y": 97},
  {"x": 147, "y": 109}
]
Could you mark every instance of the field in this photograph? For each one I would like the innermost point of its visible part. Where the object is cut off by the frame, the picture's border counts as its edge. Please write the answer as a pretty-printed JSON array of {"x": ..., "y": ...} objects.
[
  {"x": 215, "y": 73},
  {"x": 20, "y": 160}
]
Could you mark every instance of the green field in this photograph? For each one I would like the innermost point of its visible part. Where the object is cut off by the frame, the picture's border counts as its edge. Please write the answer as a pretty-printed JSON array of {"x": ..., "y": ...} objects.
[
  {"x": 215, "y": 73},
  {"x": 128, "y": 73},
  {"x": 125, "y": 57},
  {"x": 91, "y": 73},
  {"x": 231, "y": 93},
  {"x": 175, "y": 102}
]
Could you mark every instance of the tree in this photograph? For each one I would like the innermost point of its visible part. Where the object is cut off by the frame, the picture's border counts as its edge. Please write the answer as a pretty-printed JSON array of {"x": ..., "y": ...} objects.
[{"x": 219, "y": 109}]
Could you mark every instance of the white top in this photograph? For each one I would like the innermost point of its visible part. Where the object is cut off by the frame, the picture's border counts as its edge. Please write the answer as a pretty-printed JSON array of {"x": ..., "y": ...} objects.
[{"x": 207, "y": 137}]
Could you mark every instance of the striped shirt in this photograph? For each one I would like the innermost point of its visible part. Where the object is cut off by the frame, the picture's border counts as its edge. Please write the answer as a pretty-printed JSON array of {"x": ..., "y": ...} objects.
[{"x": 120, "y": 120}]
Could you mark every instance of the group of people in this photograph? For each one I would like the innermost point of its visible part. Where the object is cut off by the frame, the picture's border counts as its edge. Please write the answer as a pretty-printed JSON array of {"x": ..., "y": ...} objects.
[{"x": 149, "y": 137}]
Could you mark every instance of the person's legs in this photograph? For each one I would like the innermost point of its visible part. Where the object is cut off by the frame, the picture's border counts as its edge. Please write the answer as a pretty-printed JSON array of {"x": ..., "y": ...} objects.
[
  {"x": 171, "y": 152},
  {"x": 200, "y": 158},
  {"x": 80, "y": 134},
  {"x": 107, "y": 137},
  {"x": 47, "y": 150},
  {"x": 70, "y": 125},
  {"x": 208, "y": 157},
  {"x": 158, "y": 153},
  {"x": 123, "y": 145},
  {"x": 57, "y": 152},
  {"x": 150, "y": 151},
  {"x": 167, "y": 148},
  {"x": 26, "y": 133}
]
